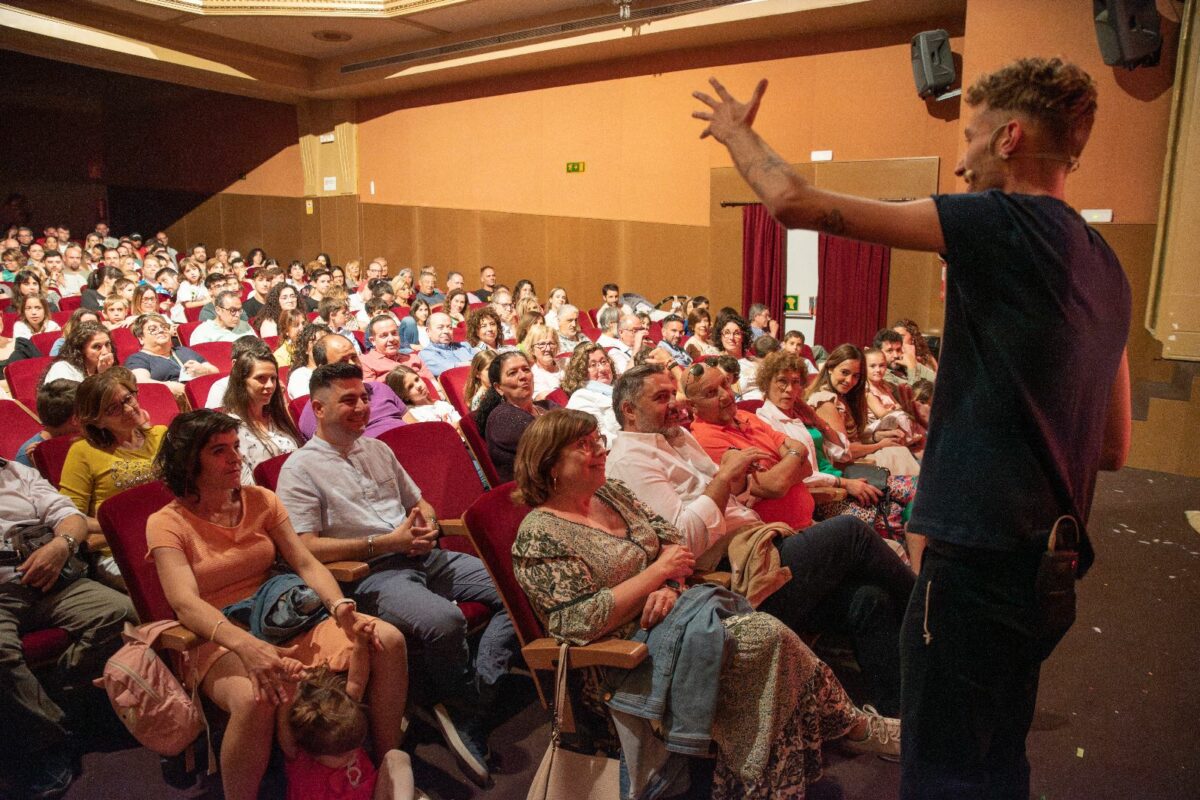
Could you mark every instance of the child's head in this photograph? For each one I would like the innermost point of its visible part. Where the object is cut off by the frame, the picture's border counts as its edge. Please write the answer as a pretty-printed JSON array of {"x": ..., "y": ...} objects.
[
  {"x": 56, "y": 406},
  {"x": 793, "y": 341},
  {"x": 923, "y": 391},
  {"x": 876, "y": 365},
  {"x": 325, "y": 720},
  {"x": 116, "y": 308},
  {"x": 31, "y": 308}
]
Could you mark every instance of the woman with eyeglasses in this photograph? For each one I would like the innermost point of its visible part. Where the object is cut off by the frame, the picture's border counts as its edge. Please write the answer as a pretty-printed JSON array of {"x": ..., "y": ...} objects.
[
  {"x": 588, "y": 379},
  {"x": 541, "y": 345},
  {"x": 88, "y": 350},
  {"x": 596, "y": 562},
  {"x": 700, "y": 344},
  {"x": 160, "y": 360},
  {"x": 483, "y": 329},
  {"x": 733, "y": 337},
  {"x": 282, "y": 297},
  {"x": 116, "y": 452}
]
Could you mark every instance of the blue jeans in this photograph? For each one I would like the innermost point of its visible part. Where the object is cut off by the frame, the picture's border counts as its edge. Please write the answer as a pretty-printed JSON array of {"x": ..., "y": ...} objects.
[
  {"x": 419, "y": 596},
  {"x": 846, "y": 580},
  {"x": 971, "y": 652}
]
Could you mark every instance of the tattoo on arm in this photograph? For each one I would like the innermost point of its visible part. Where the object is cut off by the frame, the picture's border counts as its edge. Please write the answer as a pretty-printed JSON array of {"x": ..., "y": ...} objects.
[
  {"x": 760, "y": 171},
  {"x": 831, "y": 222}
]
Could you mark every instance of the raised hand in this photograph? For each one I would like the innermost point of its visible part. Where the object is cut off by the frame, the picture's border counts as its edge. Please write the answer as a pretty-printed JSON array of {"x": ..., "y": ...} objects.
[
  {"x": 675, "y": 562},
  {"x": 728, "y": 115}
]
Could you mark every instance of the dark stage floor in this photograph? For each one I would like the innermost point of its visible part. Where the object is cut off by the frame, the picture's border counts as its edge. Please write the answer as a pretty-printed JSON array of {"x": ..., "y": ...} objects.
[{"x": 1118, "y": 707}]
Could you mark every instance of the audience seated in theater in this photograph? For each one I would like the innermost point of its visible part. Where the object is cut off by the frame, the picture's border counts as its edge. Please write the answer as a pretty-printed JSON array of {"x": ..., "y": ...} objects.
[
  {"x": 191, "y": 292},
  {"x": 145, "y": 301},
  {"x": 478, "y": 381},
  {"x": 228, "y": 326},
  {"x": 443, "y": 352},
  {"x": 12, "y": 261},
  {"x": 607, "y": 319},
  {"x": 734, "y": 339},
  {"x": 541, "y": 346},
  {"x": 116, "y": 312},
  {"x": 303, "y": 365},
  {"x": 422, "y": 406},
  {"x": 403, "y": 287},
  {"x": 282, "y": 297},
  {"x": 319, "y": 281},
  {"x": 885, "y": 411},
  {"x": 99, "y": 284},
  {"x": 523, "y": 290},
  {"x": 217, "y": 282},
  {"x": 610, "y": 295},
  {"x": 596, "y": 562},
  {"x": 588, "y": 379},
  {"x": 375, "y": 307},
  {"x": 78, "y": 316},
  {"x": 455, "y": 281},
  {"x": 335, "y": 312},
  {"x": 761, "y": 321},
  {"x": 256, "y": 400},
  {"x": 672, "y": 340},
  {"x": 903, "y": 367},
  {"x": 631, "y": 338},
  {"x": 914, "y": 338},
  {"x": 569, "y": 334},
  {"x": 839, "y": 397},
  {"x": 160, "y": 361},
  {"x": 763, "y": 346},
  {"x": 427, "y": 290},
  {"x": 115, "y": 453},
  {"x": 290, "y": 323},
  {"x": 246, "y": 344},
  {"x": 30, "y": 282},
  {"x": 88, "y": 351},
  {"x": 700, "y": 345},
  {"x": 506, "y": 311},
  {"x": 31, "y": 597},
  {"x": 56, "y": 410},
  {"x": 75, "y": 272},
  {"x": 387, "y": 409},
  {"x": 261, "y": 282},
  {"x": 527, "y": 320},
  {"x": 413, "y": 333},
  {"x": 387, "y": 351},
  {"x": 456, "y": 305},
  {"x": 350, "y": 499},
  {"x": 487, "y": 284},
  {"x": 48, "y": 281},
  {"x": 216, "y": 544},
  {"x": 33, "y": 317},
  {"x": 507, "y": 408},
  {"x": 844, "y": 577},
  {"x": 782, "y": 379},
  {"x": 793, "y": 342},
  {"x": 554, "y": 303}
]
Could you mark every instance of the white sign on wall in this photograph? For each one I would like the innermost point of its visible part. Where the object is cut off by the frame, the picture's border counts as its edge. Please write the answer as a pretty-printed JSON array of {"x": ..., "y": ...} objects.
[{"x": 802, "y": 281}]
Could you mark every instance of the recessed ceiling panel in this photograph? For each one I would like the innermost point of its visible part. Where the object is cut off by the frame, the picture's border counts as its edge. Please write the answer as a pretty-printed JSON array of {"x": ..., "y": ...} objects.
[
  {"x": 488, "y": 13},
  {"x": 295, "y": 34},
  {"x": 138, "y": 9}
]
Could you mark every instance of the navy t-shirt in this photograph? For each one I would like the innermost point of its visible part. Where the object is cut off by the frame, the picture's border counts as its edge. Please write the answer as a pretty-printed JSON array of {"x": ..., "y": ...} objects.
[
  {"x": 1037, "y": 315},
  {"x": 160, "y": 368}
]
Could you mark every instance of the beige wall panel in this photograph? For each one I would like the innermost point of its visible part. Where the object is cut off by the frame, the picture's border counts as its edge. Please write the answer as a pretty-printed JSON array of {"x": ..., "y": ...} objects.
[
  {"x": 515, "y": 244},
  {"x": 349, "y": 227},
  {"x": 389, "y": 231},
  {"x": 241, "y": 221},
  {"x": 203, "y": 224},
  {"x": 664, "y": 259},
  {"x": 583, "y": 255},
  {"x": 914, "y": 290},
  {"x": 311, "y": 229},
  {"x": 1169, "y": 439},
  {"x": 282, "y": 221}
]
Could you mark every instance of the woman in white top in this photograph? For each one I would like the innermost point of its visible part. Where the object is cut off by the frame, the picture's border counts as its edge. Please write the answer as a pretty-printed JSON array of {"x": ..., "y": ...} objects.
[
  {"x": 557, "y": 299},
  {"x": 541, "y": 345},
  {"x": 282, "y": 297},
  {"x": 588, "y": 379},
  {"x": 732, "y": 337},
  {"x": 255, "y": 399},
  {"x": 87, "y": 351},
  {"x": 700, "y": 344},
  {"x": 33, "y": 317},
  {"x": 410, "y": 387}
]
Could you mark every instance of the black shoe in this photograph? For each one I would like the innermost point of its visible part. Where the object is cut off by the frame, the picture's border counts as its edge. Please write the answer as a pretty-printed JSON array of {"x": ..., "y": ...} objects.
[
  {"x": 51, "y": 778},
  {"x": 464, "y": 735}
]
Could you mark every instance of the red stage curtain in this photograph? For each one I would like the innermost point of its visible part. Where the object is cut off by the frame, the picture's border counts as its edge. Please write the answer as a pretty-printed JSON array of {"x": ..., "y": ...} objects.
[
  {"x": 762, "y": 261},
  {"x": 852, "y": 298}
]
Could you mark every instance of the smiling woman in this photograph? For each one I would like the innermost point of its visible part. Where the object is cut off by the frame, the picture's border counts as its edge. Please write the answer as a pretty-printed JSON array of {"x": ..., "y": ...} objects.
[
  {"x": 255, "y": 399},
  {"x": 508, "y": 408},
  {"x": 159, "y": 361}
]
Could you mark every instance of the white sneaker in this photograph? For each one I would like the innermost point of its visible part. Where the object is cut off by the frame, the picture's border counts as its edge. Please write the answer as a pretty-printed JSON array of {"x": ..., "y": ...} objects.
[{"x": 882, "y": 737}]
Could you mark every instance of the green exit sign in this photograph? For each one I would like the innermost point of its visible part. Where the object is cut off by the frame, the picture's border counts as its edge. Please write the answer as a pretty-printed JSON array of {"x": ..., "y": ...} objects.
[
  {"x": 791, "y": 302},
  {"x": 576, "y": 166}
]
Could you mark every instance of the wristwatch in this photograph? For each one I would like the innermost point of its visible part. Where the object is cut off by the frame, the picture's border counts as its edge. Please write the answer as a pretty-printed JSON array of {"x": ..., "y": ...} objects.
[
  {"x": 72, "y": 543},
  {"x": 797, "y": 453}
]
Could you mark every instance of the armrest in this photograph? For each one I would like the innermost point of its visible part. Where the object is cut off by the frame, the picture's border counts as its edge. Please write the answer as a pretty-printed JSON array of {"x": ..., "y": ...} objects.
[
  {"x": 453, "y": 527},
  {"x": 542, "y": 654},
  {"x": 179, "y": 639},
  {"x": 827, "y": 494},
  {"x": 348, "y": 571},
  {"x": 94, "y": 542}
]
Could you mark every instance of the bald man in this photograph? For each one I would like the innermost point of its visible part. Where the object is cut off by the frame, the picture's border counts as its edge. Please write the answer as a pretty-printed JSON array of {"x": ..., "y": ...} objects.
[{"x": 443, "y": 352}]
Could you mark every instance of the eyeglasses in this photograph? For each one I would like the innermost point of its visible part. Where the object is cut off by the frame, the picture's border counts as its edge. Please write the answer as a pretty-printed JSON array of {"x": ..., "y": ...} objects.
[
  {"x": 593, "y": 445},
  {"x": 153, "y": 329},
  {"x": 128, "y": 401},
  {"x": 233, "y": 309}
]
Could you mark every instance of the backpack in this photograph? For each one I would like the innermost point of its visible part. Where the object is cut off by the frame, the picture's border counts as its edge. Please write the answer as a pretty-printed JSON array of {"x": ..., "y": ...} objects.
[{"x": 147, "y": 697}]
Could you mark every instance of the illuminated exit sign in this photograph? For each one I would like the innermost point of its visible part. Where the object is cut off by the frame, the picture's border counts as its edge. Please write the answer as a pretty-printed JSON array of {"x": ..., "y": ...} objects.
[{"x": 576, "y": 166}]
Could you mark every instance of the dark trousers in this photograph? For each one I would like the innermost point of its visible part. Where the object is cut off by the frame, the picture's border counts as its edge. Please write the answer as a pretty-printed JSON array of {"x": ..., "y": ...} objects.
[
  {"x": 971, "y": 650},
  {"x": 846, "y": 580}
]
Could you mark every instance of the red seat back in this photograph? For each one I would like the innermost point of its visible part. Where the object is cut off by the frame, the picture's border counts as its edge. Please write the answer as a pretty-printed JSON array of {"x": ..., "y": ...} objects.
[
  {"x": 197, "y": 389},
  {"x": 266, "y": 474},
  {"x": 272, "y": 342},
  {"x": 654, "y": 334},
  {"x": 7, "y": 320},
  {"x": 44, "y": 342},
  {"x": 24, "y": 377},
  {"x": 45, "y": 646},
  {"x": 750, "y": 405},
  {"x": 50, "y": 455},
  {"x": 434, "y": 457},
  {"x": 493, "y": 521},
  {"x": 123, "y": 519},
  {"x": 219, "y": 354},
  {"x": 559, "y": 396},
  {"x": 479, "y": 448},
  {"x": 296, "y": 408},
  {"x": 454, "y": 386},
  {"x": 61, "y": 317},
  {"x": 459, "y": 334},
  {"x": 185, "y": 332},
  {"x": 69, "y": 304},
  {"x": 192, "y": 313},
  {"x": 158, "y": 402},
  {"x": 16, "y": 426}
]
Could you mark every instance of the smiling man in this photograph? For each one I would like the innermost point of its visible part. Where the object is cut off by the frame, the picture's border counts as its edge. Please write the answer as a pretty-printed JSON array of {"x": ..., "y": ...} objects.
[
  {"x": 443, "y": 352},
  {"x": 1014, "y": 442},
  {"x": 386, "y": 351}
]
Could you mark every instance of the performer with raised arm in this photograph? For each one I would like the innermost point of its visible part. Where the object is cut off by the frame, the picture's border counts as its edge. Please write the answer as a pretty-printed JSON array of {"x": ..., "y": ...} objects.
[{"x": 1037, "y": 313}]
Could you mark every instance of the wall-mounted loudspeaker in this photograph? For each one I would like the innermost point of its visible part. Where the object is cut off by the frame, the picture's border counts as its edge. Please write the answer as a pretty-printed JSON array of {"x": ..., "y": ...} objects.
[
  {"x": 932, "y": 64},
  {"x": 1128, "y": 32}
]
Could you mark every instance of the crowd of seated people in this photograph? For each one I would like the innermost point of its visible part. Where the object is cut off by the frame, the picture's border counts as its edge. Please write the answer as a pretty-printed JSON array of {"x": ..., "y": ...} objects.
[{"x": 322, "y": 359}]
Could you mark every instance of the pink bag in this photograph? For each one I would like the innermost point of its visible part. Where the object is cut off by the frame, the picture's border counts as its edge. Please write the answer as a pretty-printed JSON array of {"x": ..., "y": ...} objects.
[{"x": 147, "y": 697}]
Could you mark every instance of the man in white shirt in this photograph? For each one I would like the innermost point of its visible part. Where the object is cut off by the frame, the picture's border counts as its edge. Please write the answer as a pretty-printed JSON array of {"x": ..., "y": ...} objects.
[
  {"x": 845, "y": 579},
  {"x": 75, "y": 272},
  {"x": 227, "y": 326},
  {"x": 631, "y": 335},
  {"x": 569, "y": 335}
]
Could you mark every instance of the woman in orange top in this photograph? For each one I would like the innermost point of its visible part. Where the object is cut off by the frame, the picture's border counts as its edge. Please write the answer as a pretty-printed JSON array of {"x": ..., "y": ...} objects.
[{"x": 215, "y": 545}]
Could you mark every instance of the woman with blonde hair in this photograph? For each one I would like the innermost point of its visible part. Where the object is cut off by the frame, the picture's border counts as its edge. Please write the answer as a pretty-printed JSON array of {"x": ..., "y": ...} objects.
[{"x": 541, "y": 345}]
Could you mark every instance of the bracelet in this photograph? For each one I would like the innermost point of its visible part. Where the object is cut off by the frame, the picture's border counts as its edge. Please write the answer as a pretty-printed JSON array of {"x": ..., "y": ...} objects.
[
  {"x": 370, "y": 547},
  {"x": 212, "y": 637},
  {"x": 837, "y": 482},
  {"x": 797, "y": 453},
  {"x": 333, "y": 607}
]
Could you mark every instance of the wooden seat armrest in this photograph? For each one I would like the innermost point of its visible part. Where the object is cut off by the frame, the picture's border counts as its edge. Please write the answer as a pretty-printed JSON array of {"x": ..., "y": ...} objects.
[
  {"x": 542, "y": 654},
  {"x": 348, "y": 571},
  {"x": 95, "y": 542},
  {"x": 827, "y": 494},
  {"x": 453, "y": 527},
  {"x": 179, "y": 639}
]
